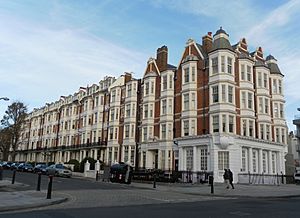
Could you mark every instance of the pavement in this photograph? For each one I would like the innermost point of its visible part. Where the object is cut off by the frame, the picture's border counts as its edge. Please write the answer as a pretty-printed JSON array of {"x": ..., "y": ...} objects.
[{"x": 17, "y": 197}]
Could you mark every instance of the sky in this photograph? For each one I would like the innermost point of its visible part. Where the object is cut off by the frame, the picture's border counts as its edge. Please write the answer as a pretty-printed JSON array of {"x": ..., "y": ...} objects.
[{"x": 50, "y": 48}]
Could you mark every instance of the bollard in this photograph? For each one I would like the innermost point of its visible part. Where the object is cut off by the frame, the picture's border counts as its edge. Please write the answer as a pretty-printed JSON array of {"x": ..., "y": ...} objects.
[
  {"x": 38, "y": 187},
  {"x": 97, "y": 175},
  {"x": 49, "y": 187},
  {"x": 211, "y": 182},
  {"x": 1, "y": 173},
  {"x": 14, "y": 177},
  {"x": 154, "y": 180}
]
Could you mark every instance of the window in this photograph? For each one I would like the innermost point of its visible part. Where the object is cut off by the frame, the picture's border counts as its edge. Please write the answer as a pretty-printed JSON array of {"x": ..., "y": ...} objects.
[
  {"x": 265, "y": 81},
  {"x": 214, "y": 65},
  {"x": 193, "y": 74},
  {"x": 112, "y": 114},
  {"x": 249, "y": 73},
  {"x": 268, "y": 134},
  {"x": 186, "y": 75},
  {"x": 111, "y": 133},
  {"x": 189, "y": 158},
  {"x": 279, "y": 87},
  {"x": 230, "y": 94},
  {"x": 223, "y": 93},
  {"x": 152, "y": 87},
  {"x": 145, "y": 134},
  {"x": 186, "y": 127},
  {"x": 215, "y": 93},
  {"x": 126, "y": 131},
  {"x": 165, "y": 84},
  {"x": 273, "y": 163},
  {"x": 249, "y": 100},
  {"x": 223, "y": 160},
  {"x": 116, "y": 133},
  {"x": 193, "y": 101},
  {"x": 264, "y": 162},
  {"x": 276, "y": 112},
  {"x": 133, "y": 109},
  {"x": 259, "y": 80},
  {"x": 282, "y": 135},
  {"x": 193, "y": 127},
  {"x": 242, "y": 72},
  {"x": 147, "y": 88},
  {"x": 170, "y": 111},
  {"x": 163, "y": 131},
  {"x": 251, "y": 130},
  {"x": 215, "y": 123},
  {"x": 170, "y": 136},
  {"x": 244, "y": 100},
  {"x": 164, "y": 107},
  {"x": 150, "y": 131},
  {"x": 170, "y": 81},
  {"x": 186, "y": 102},
  {"x": 151, "y": 110},
  {"x": 203, "y": 159},
  {"x": 260, "y": 104},
  {"x": 244, "y": 126},
  {"x": 277, "y": 135},
  {"x": 224, "y": 123},
  {"x": 223, "y": 64},
  {"x": 244, "y": 160},
  {"x": 125, "y": 153},
  {"x": 231, "y": 123},
  {"x": 128, "y": 110},
  {"x": 266, "y": 106},
  {"x": 128, "y": 90},
  {"x": 113, "y": 96},
  {"x": 281, "y": 111},
  {"x": 95, "y": 117},
  {"x": 261, "y": 129},
  {"x": 117, "y": 114},
  {"x": 132, "y": 130},
  {"x": 145, "y": 111},
  {"x": 229, "y": 65},
  {"x": 274, "y": 88},
  {"x": 254, "y": 161}
]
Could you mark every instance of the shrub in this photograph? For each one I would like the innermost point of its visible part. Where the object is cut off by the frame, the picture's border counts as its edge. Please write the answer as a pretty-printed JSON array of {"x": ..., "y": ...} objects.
[
  {"x": 75, "y": 163},
  {"x": 92, "y": 162}
]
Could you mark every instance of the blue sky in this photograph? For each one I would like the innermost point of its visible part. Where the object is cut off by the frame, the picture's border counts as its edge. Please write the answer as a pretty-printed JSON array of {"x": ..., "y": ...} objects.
[{"x": 50, "y": 48}]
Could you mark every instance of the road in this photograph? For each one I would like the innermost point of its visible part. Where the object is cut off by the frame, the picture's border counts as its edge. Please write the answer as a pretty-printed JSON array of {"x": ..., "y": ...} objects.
[{"x": 88, "y": 198}]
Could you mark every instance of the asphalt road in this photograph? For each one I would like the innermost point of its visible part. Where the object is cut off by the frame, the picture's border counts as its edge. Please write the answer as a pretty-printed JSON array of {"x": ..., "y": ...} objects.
[{"x": 88, "y": 198}]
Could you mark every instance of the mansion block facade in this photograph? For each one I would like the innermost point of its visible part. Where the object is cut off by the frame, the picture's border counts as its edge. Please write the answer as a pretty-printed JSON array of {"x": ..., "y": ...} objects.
[{"x": 221, "y": 107}]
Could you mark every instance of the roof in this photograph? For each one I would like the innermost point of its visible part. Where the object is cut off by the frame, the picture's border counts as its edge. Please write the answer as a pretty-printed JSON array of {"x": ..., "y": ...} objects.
[
  {"x": 270, "y": 57},
  {"x": 274, "y": 68},
  {"x": 202, "y": 50},
  {"x": 221, "y": 43},
  {"x": 171, "y": 67},
  {"x": 219, "y": 31}
]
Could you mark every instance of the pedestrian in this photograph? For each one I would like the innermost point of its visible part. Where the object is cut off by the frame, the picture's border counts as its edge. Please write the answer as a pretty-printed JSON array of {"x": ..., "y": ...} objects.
[
  {"x": 230, "y": 178},
  {"x": 226, "y": 178}
]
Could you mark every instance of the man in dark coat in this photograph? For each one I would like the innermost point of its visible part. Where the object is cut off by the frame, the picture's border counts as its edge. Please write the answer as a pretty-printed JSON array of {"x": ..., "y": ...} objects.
[
  {"x": 230, "y": 178},
  {"x": 226, "y": 177}
]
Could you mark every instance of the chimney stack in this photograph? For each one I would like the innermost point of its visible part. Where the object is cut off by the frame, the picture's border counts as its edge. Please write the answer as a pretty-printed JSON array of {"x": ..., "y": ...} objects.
[
  {"x": 207, "y": 42},
  {"x": 162, "y": 58}
]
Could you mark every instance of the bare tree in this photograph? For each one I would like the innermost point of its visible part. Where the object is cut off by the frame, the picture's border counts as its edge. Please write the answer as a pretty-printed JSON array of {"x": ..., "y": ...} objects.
[
  {"x": 12, "y": 121},
  {"x": 5, "y": 141}
]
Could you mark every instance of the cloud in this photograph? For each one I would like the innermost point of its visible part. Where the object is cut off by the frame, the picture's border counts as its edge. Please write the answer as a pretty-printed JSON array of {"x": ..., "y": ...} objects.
[{"x": 39, "y": 63}]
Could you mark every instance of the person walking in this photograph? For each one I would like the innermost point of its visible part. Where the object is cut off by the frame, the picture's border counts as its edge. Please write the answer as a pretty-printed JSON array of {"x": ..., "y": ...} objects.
[
  {"x": 226, "y": 178},
  {"x": 230, "y": 178}
]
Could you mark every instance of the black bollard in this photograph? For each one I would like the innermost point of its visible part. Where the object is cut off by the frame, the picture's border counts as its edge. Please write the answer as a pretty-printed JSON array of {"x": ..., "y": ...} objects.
[
  {"x": 49, "y": 187},
  {"x": 14, "y": 177},
  {"x": 97, "y": 175},
  {"x": 1, "y": 173},
  {"x": 38, "y": 187},
  {"x": 211, "y": 182},
  {"x": 154, "y": 180}
]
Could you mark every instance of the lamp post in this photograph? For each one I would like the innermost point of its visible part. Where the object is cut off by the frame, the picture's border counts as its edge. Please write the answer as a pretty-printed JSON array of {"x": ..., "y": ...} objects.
[{"x": 4, "y": 98}]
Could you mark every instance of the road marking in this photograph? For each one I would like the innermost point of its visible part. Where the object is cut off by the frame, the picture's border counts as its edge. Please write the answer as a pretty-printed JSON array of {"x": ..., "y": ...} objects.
[{"x": 240, "y": 213}]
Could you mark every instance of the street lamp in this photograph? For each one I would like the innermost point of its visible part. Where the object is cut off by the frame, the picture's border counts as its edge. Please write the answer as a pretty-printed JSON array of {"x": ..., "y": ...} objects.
[{"x": 4, "y": 98}]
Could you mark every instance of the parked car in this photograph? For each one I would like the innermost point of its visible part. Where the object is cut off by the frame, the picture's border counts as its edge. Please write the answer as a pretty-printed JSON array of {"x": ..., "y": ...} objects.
[
  {"x": 58, "y": 170},
  {"x": 40, "y": 168},
  {"x": 121, "y": 173},
  {"x": 14, "y": 166},
  {"x": 6, "y": 165},
  {"x": 297, "y": 178},
  {"x": 25, "y": 167}
]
